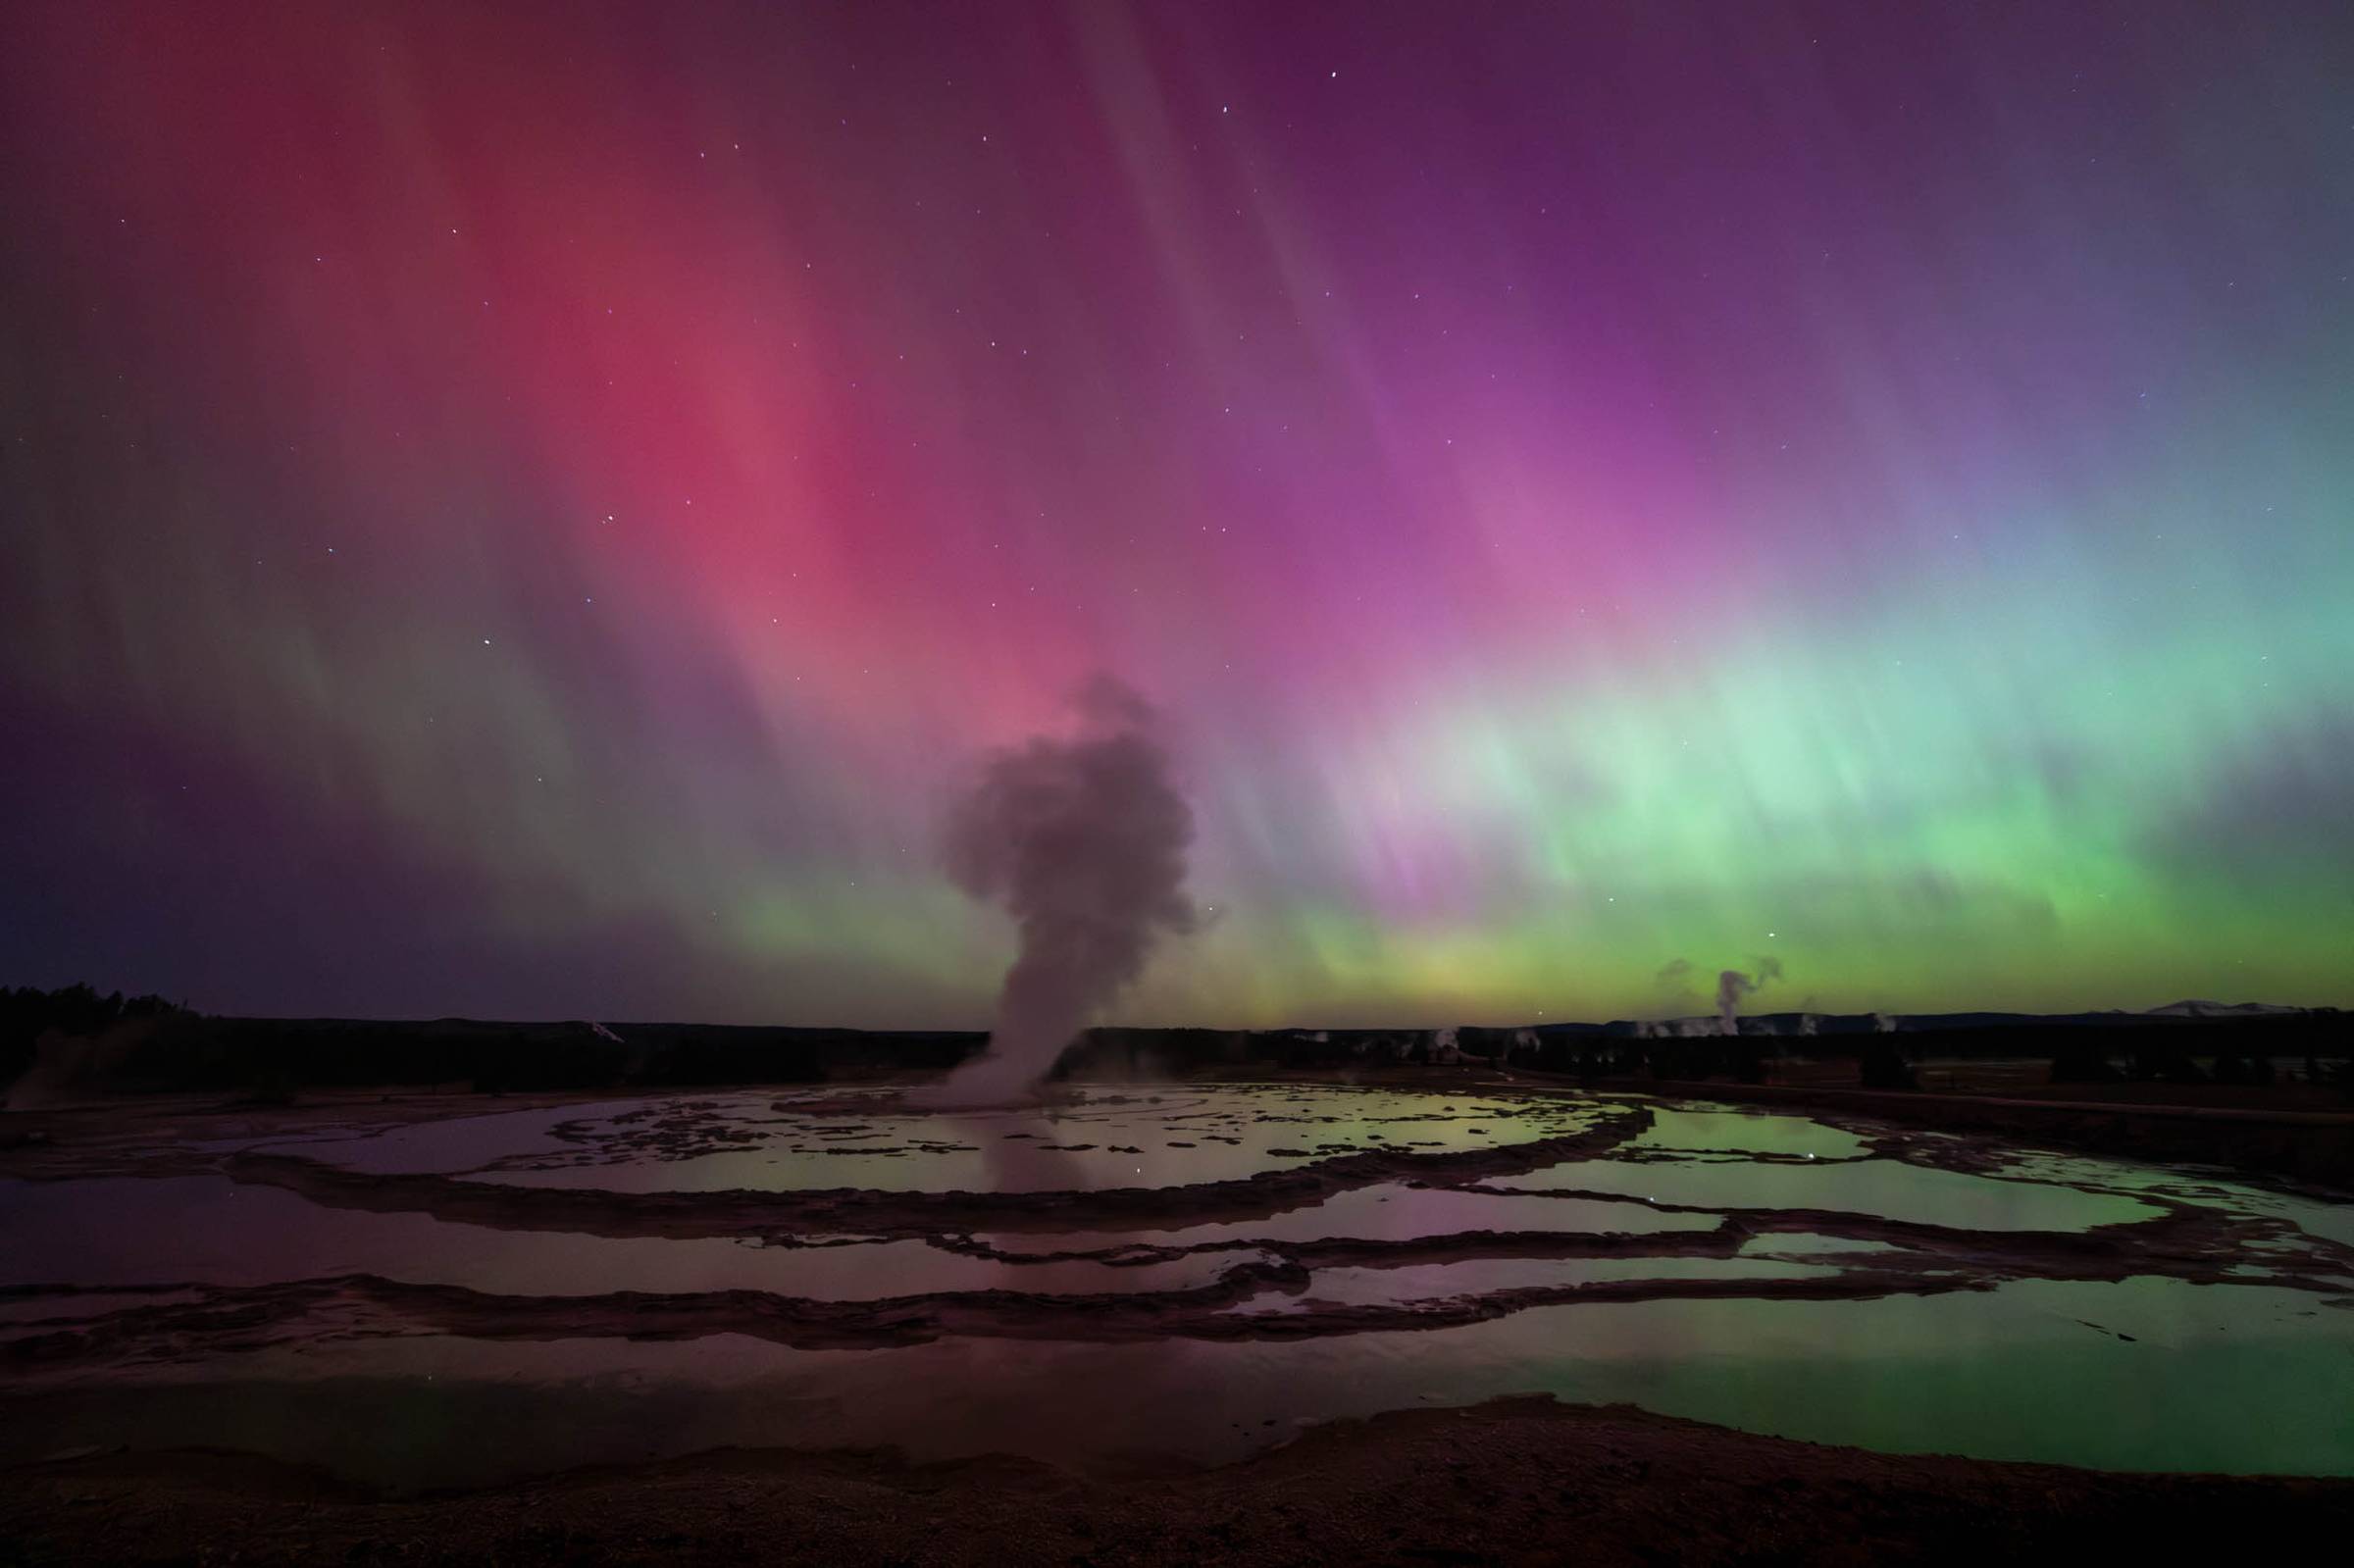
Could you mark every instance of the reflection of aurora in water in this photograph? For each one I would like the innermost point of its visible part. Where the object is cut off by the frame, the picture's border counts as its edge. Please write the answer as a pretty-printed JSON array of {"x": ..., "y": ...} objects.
[
  {"x": 1096, "y": 1139},
  {"x": 1196, "y": 1269}
]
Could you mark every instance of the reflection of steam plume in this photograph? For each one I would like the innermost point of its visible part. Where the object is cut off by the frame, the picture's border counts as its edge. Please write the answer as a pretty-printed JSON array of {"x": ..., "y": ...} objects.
[
  {"x": 1083, "y": 841},
  {"x": 1732, "y": 986}
]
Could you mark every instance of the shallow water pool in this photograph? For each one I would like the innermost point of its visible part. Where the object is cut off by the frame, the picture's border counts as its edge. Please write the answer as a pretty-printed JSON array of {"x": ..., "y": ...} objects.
[{"x": 1187, "y": 1271}]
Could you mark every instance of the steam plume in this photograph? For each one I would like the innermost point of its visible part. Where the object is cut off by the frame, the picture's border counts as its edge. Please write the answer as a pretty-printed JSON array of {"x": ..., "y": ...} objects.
[
  {"x": 1082, "y": 840},
  {"x": 1732, "y": 984}
]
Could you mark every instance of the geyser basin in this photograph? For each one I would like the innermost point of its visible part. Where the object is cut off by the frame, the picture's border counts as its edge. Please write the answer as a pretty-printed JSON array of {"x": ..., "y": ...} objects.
[
  {"x": 1187, "y": 1270},
  {"x": 1082, "y": 1142}
]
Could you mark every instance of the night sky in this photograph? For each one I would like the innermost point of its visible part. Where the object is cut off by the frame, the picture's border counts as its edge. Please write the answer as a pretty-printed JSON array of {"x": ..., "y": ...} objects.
[{"x": 535, "y": 512}]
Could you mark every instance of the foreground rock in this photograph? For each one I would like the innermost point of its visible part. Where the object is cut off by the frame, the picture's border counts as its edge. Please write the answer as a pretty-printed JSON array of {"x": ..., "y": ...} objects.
[{"x": 1517, "y": 1480}]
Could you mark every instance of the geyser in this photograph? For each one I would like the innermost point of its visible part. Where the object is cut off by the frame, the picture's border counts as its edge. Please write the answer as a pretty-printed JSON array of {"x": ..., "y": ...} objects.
[
  {"x": 1732, "y": 984},
  {"x": 1082, "y": 840}
]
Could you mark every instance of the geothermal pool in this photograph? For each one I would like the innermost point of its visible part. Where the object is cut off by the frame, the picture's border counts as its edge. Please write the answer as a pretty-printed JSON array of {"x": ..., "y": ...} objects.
[{"x": 1143, "y": 1274}]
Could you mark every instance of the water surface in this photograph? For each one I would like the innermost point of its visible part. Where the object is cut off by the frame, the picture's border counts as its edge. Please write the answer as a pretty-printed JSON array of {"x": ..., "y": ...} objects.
[{"x": 420, "y": 1314}]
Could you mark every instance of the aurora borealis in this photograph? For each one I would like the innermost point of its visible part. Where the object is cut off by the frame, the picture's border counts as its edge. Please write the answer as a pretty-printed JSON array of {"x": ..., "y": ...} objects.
[{"x": 533, "y": 511}]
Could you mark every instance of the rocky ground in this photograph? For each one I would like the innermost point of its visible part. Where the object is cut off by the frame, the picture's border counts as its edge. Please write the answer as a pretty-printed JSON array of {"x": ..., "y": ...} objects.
[{"x": 1518, "y": 1481}]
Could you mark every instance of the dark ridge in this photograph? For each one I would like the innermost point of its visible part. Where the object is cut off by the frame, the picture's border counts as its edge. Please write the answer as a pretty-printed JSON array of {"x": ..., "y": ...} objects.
[
  {"x": 77, "y": 1039},
  {"x": 2185, "y": 1243}
]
